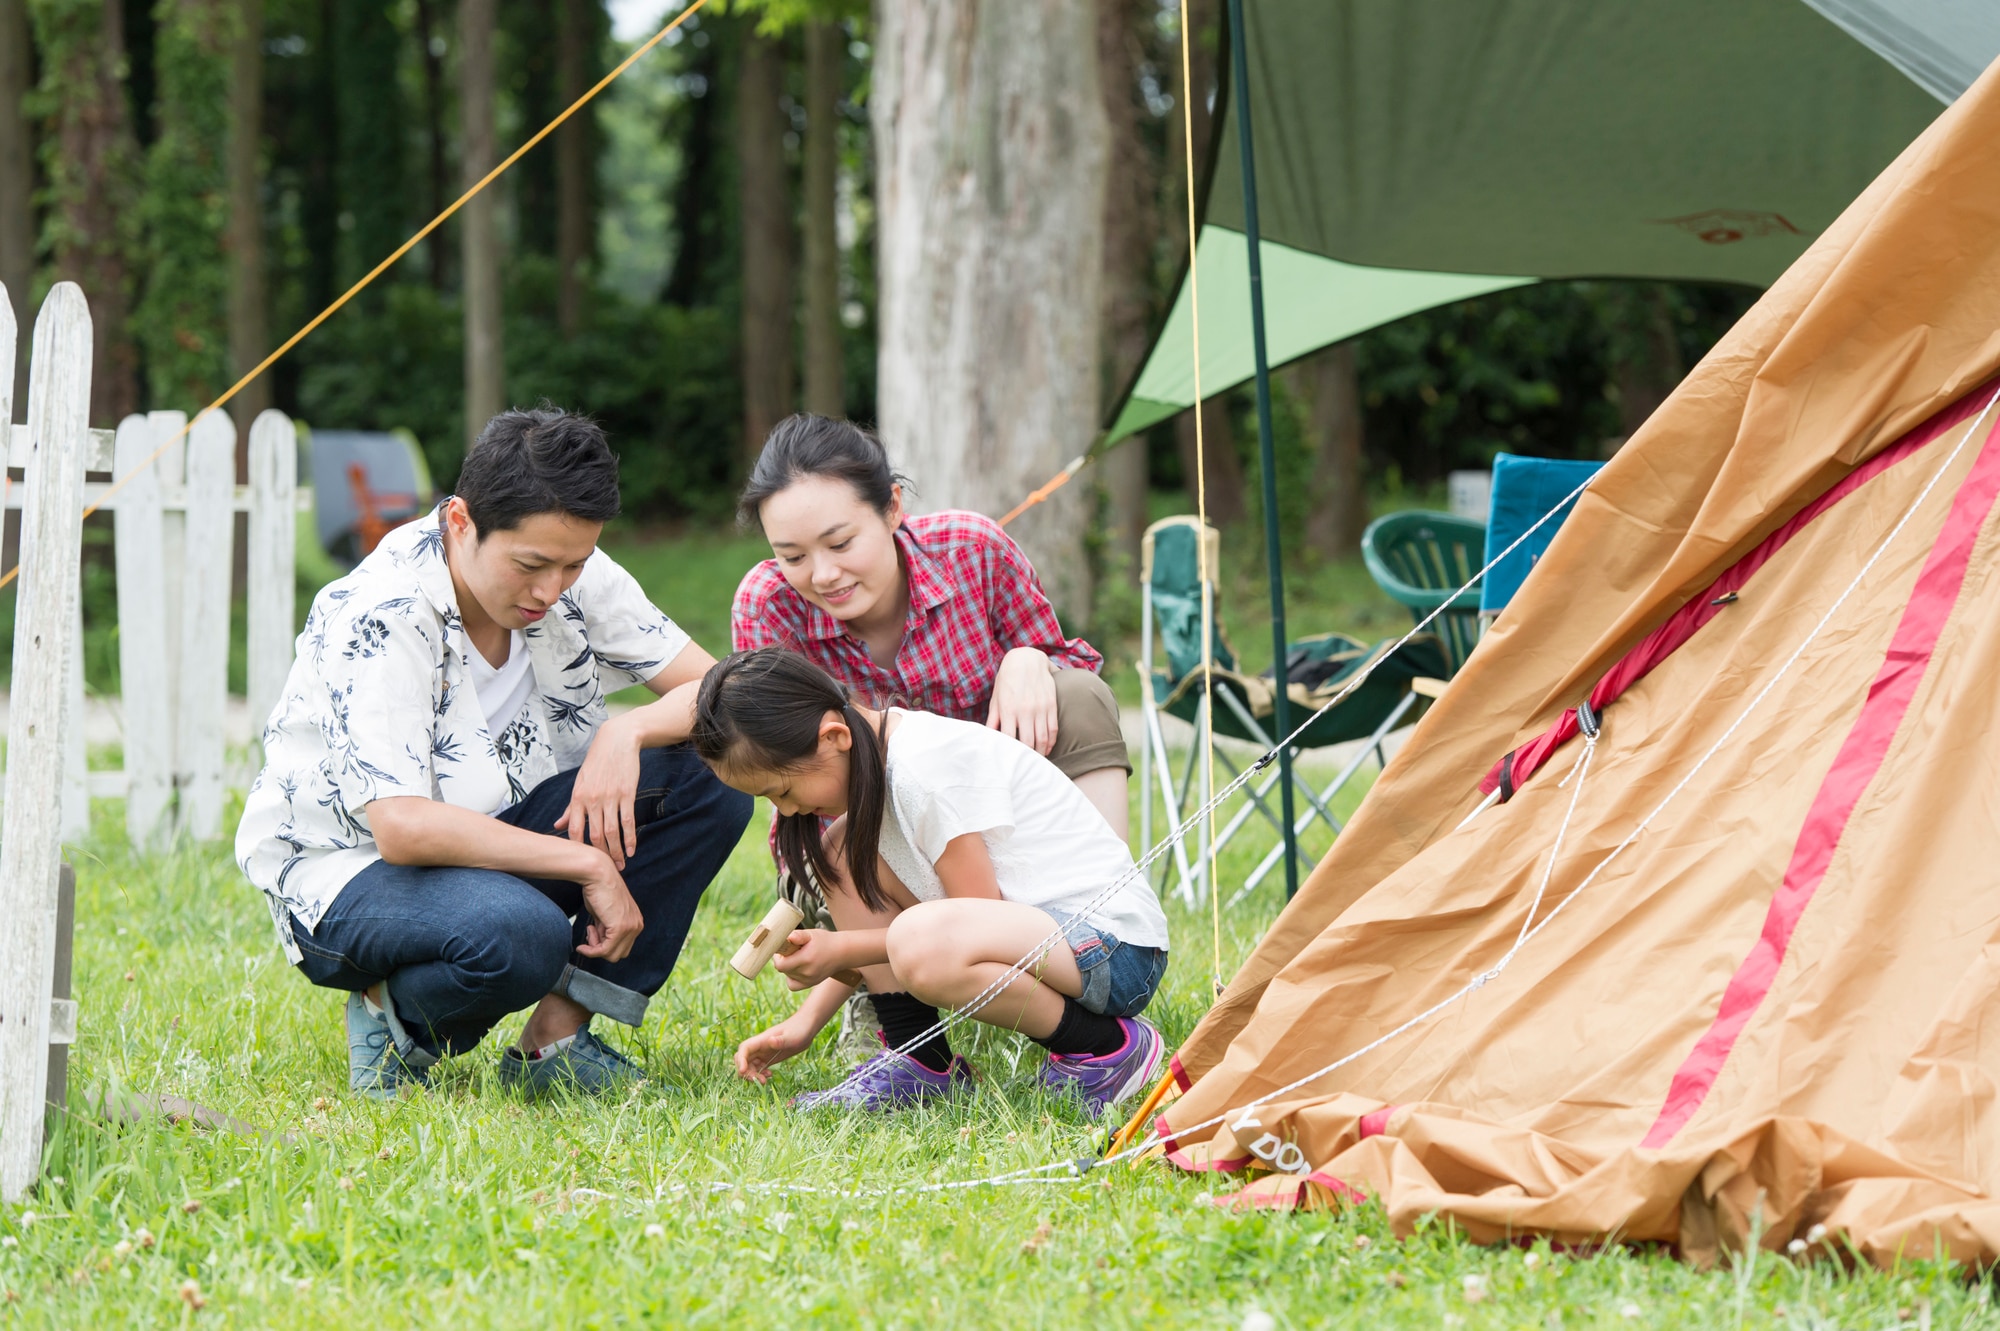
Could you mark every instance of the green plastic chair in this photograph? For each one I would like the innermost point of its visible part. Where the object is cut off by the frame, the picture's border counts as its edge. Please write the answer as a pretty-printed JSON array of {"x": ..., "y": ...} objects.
[
  {"x": 1420, "y": 558},
  {"x": 1243, "y": 706}
]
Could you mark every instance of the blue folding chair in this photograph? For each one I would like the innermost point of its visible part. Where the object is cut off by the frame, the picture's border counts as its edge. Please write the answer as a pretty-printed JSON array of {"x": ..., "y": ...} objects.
[{"x": 1523, "y": 490}]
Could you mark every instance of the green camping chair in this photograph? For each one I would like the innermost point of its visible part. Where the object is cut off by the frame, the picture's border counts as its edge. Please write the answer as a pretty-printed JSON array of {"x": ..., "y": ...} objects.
[
  {"x": 1242, "y": 706},
  {"x": 1421, "y": 558}
]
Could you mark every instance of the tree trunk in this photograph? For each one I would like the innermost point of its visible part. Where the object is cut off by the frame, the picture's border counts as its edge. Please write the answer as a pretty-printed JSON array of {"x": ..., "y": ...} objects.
[
  {"x": 573, "y": 247},
  {"x": 699, "y": 130},
  {"x": 1227, "y": 502},
  {"x": 1647, "y": 355},
  {"x": 1130, "y": 230},
  {"x": 432, "y": 42},
  {"x": 1337, "y": 500},
  {"x": 249, "y": 334},
  {"x": 991, "y": 148},
  {"x": 485, "y": 367},
  {"x": 766, "y": 219},
  {"x": 1202, "y": 54},
  {"x": 92, "y": 175},
  {"x": 826, "y": 52},
  {"x": 17, "y": 182}
]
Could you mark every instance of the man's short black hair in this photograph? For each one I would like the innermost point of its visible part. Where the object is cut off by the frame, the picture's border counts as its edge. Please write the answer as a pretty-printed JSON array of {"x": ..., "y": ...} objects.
[{"x": 538, "y": 461}]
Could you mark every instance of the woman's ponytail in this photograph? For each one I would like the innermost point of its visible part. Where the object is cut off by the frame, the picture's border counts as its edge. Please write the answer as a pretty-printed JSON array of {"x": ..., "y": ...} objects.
[{"x": 763, "y": 709}]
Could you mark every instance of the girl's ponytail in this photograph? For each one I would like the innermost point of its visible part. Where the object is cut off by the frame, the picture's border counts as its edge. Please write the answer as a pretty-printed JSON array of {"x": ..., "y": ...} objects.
[
  {"x": 763, "y": 709},
  {"x": 867, "y": 796}
]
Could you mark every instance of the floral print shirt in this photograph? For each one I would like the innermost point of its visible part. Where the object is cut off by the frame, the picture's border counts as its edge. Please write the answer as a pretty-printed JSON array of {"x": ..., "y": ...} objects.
[{"x": 380, "y": 702}]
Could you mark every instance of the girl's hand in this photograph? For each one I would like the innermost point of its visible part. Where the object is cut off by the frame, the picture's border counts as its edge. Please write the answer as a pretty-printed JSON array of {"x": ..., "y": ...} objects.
[
  {"x": 816, "y": 955},
  {"x": 600, "y": 801},
  {"x": 756, "y": 1056},
  {"x": 1024, "y": 699}
]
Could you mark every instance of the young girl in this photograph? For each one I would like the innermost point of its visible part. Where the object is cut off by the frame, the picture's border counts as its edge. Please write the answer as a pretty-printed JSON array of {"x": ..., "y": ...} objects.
[{"x": 958, "y": 852}]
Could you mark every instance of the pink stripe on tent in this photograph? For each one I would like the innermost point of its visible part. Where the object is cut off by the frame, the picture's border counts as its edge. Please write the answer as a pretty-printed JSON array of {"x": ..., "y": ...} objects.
[
  {"x": 1663, "y": 641},
  {"x": 1860, "y": 758},
  {"x": 1377, "y": 1123}
]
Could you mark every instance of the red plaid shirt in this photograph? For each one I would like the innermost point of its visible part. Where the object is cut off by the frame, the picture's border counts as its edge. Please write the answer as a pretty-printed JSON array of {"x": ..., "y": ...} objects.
[{"x": 973, "y": 598}]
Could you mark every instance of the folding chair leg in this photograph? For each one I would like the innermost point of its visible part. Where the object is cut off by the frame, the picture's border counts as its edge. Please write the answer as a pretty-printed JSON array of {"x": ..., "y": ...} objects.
[
  {"x": 1254, "y": 797},
  {"x": 1373, "y": 746},
  {"x": 1157, "y": 739},
  {"x": 1304, "y": 787}
]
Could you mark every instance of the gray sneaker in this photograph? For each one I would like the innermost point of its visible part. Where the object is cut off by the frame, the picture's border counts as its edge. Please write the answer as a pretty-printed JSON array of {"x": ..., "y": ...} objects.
[
  {"x": 586, "y": 1065},
  {"x": 379, "y": 1063},
  {"x": 860, "y": 1030}
]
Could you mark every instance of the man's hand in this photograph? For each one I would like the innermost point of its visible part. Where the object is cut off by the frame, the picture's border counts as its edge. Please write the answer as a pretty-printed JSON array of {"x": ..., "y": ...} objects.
[
  {"x": 1024, "y": 699},
  {"x": 756, "y": 1056},
  {"x": 601, "y": 800},
  {"x": 614, "y": 917}
]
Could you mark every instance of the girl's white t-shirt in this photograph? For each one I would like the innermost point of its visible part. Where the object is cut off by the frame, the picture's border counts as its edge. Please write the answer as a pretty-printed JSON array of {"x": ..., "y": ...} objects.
[
  {"x": 1050, "y": 848},
  {"x": 503, "y": 689}
]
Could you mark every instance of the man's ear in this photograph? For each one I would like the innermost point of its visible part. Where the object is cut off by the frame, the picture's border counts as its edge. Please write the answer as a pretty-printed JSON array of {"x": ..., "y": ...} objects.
[
  {"x": 459, "y": 518},
  {"x": 834, "y": 731}
]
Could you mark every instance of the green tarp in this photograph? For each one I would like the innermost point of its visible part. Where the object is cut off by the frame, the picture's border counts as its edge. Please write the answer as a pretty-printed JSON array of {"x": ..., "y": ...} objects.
[{"x": 1415, "y": 152}]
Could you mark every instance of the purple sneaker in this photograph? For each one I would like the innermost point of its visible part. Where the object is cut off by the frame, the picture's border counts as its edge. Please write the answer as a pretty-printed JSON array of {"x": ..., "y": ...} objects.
[
  {"x": 1103, "y": 1081},
  {"x": 890, "y": 1081}
]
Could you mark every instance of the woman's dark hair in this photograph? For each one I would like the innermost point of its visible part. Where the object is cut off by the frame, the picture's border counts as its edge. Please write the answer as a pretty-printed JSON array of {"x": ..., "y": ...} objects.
[
  {"x": 538, "y": 461},
  {"x": 762, "y": 710},
  {"x": 801, "y": 446}
]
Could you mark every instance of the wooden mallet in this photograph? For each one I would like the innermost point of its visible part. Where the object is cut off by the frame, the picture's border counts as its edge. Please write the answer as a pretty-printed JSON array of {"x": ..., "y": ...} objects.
[{"x": 773, "y": 938}]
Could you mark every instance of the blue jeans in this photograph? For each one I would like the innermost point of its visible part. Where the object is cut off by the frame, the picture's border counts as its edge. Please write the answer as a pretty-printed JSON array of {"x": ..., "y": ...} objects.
[
  {"x": 1119, "y": 979},
  {"x": 462, "y": 948}
]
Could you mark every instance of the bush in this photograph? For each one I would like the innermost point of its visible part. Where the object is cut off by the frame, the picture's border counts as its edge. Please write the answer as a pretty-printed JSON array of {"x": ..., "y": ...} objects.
[{"x": 661, "y": 379}]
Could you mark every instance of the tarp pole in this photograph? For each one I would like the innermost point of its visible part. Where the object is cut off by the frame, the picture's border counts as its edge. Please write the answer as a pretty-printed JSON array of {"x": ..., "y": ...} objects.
[{"x": 1274, "y": 556}]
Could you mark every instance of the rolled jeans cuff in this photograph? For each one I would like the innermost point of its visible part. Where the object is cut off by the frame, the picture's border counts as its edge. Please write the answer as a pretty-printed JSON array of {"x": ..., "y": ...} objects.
[{"x": 601, "y": 996}]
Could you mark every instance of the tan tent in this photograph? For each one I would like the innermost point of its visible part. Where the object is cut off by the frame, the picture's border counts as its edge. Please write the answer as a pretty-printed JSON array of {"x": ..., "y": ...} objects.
[{"x": 1779, "y": 1006}]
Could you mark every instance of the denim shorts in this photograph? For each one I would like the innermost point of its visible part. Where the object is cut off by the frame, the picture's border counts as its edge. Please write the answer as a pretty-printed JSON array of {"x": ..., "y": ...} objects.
[{"x": 1119, "y": 979}]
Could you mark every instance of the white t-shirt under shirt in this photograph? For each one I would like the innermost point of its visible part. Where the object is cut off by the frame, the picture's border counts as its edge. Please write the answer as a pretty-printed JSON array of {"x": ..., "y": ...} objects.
[
  {"x": 1050, "y": 848},
  {"x": 503, "y": 689}
]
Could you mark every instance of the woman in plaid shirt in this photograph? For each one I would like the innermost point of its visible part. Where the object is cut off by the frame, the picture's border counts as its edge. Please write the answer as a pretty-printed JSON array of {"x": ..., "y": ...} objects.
[{"x": 938, "y": 612}]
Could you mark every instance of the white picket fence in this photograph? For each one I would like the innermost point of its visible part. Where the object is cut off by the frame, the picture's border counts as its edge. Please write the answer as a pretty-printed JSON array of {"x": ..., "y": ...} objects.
[
  {"x": 173, "y": 549},
  {"x": 174, "y": 529}
]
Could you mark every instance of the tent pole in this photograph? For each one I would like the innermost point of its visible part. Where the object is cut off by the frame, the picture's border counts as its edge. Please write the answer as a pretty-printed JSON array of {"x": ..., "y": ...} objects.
[{"x": 1282, "y": 718}]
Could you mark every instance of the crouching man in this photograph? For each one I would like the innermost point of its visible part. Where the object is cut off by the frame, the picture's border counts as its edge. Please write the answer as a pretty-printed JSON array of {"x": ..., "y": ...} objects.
[{"x": 443, "y": 795}]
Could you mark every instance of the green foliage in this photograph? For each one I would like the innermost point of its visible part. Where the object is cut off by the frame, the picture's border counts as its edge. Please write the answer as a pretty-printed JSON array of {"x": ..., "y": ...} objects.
[
  {"x": 1292, "y": 454},
  {"x": 180, "y": 321},
  {"x": 371, "y": 134},
  {"x": 661, "y": 380},
  {"x": 68, "y": 99},
  {"x": 1525, "y": 371}
]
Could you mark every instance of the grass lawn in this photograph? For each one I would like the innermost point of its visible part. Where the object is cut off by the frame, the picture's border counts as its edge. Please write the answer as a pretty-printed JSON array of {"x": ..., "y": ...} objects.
[
  {"x": 702, "y": 1200},
  {"x": 465, "y": 1207}
]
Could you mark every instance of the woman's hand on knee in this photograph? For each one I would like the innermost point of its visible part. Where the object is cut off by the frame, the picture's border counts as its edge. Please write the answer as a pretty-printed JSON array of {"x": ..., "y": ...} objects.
[{"x": 1024, "y": 699}]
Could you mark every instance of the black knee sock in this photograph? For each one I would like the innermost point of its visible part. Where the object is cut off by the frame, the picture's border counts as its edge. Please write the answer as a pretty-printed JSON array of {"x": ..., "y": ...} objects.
[
  {"x": 1082, "y": 1031},
  {"x": 904, "y": 1017}
]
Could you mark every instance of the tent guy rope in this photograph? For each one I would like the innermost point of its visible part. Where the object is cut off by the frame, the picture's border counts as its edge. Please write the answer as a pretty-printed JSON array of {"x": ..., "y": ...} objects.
[{"x": 1205, "y": 573}]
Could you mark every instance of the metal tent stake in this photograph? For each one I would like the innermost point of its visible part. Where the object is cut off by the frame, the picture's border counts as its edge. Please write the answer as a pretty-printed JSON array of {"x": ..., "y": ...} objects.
[{"x": 1282, "y": 719}]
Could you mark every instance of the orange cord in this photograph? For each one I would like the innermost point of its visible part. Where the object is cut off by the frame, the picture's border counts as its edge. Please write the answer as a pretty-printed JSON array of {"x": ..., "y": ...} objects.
[
  {"x": 384, "y": 266},
  {"x": 1054, "y": 483}
]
